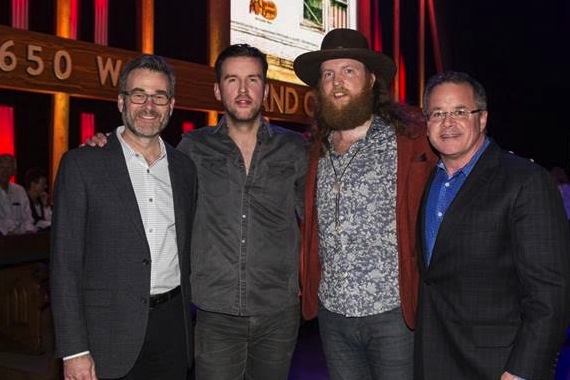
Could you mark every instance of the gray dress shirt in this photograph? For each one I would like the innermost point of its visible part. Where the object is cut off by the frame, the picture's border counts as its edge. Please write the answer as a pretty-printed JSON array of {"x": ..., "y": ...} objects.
[{"x": 246, "y": 238}]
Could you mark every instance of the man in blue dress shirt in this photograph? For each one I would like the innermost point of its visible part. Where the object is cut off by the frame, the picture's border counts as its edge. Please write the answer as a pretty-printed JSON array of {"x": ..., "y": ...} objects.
[{"x": 494, "y": 259}]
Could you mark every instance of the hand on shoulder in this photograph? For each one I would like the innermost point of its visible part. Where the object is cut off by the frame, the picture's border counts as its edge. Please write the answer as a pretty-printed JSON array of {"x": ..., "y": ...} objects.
[{"x": 100, "y": 139}]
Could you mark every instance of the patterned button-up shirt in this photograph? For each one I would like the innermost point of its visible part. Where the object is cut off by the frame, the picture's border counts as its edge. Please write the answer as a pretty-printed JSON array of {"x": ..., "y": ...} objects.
[{"x": 356, "y": 199}]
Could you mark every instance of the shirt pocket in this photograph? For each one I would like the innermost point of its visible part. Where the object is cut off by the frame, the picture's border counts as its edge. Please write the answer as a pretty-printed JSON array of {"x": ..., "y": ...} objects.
[
  {"x": 214, "y": 178},
  {"x": 279, "y": 183}
]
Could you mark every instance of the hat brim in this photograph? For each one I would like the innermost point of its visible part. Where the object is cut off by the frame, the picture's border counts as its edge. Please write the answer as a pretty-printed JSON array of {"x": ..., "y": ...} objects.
[{"x": 307, "y": 66}]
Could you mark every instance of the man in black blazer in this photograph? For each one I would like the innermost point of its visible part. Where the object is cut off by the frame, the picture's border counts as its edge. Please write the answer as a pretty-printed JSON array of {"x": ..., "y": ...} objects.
[
  {"x": 495, "y": 250},
  {"x": 120, "y": 258}
]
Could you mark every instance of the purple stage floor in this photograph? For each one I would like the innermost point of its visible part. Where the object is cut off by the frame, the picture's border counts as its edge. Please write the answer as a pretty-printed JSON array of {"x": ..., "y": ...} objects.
[{"x": 308, "y": 360}]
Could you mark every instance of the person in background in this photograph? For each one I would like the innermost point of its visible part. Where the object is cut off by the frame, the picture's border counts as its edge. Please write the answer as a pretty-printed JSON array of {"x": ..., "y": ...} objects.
[
  {"x": 15, "y": 214},
  {"x": 495, "y": 250},
  {"x": 561, "y": 178},
  {"x": 35, "y": 182},
  {"x": 369, "y": 163},
  {"x": 121, "y": 238}
]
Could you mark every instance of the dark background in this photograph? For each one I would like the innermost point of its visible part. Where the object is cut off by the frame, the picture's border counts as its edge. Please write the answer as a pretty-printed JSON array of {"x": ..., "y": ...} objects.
[
  {"x": 520, "y": 52},
  {"x": 517, "y": 50}
]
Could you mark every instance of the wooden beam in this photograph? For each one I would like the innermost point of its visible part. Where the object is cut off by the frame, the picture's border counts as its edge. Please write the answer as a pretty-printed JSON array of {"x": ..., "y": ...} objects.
[{"x": 38, "y": 62}]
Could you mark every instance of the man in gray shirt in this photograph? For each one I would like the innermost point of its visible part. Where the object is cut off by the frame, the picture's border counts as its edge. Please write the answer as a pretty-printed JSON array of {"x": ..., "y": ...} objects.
[{"x": 246, "y": 240}]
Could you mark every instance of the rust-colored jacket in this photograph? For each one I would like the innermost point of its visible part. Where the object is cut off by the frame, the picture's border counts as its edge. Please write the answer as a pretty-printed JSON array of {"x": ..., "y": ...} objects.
[{"x": 415, "y": 163}]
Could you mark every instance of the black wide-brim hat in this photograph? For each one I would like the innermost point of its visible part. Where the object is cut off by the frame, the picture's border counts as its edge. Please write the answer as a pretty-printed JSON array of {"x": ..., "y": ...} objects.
[{"x": 344, "y": 43}]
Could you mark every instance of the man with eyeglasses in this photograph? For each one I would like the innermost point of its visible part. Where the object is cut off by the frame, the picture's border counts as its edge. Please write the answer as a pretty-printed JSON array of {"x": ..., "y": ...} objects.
[
  {"x": 494, "y": 250},
  {"x": 121, "y": 235}
]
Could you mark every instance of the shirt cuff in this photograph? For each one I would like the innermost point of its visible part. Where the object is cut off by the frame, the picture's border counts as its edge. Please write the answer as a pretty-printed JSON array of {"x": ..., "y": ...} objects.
[{"x": 76, "y": 355}]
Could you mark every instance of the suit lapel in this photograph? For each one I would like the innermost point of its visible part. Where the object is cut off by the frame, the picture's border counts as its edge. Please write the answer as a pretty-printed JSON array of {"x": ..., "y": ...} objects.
[
  {"x": 466, "y": 197},
  {"x": 180, "y": 194},
  {"x": 421, "y": 223},
  {"x": 121, "y": 181}
]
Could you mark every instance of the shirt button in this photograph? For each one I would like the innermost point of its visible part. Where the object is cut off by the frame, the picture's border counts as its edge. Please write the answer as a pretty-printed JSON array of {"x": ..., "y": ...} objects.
[
  {"x": 440, "y": 214},
  {"x": 146, "y": 261},
  {"x": 150, "y": 230},
  {"x": 243, "y": 241},
  {"x": 150, "y": 200},
  {"x": 446, "y": 184},
  {"x": 148, "y": 170},
  {"x": 243, "y": 216}
]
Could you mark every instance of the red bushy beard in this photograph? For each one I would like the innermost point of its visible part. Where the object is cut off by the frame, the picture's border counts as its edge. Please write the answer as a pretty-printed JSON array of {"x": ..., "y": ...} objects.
[{"x": 349, "y": 116}]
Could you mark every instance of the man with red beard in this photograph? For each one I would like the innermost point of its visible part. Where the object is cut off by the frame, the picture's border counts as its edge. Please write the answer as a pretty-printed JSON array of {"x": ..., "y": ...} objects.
[{"x": 369, "y": 163}]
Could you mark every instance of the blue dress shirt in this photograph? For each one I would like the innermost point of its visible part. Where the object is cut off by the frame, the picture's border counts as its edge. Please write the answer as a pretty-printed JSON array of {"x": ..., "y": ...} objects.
[{"x": 442, "y": 192}]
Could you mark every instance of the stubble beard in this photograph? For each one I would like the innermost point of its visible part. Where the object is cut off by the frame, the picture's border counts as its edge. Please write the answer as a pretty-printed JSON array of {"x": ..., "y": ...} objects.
[
  {"x": 353, "y": 114},
  {"x": 235, "y": 118},
  {"x": 129, "y": 123}
]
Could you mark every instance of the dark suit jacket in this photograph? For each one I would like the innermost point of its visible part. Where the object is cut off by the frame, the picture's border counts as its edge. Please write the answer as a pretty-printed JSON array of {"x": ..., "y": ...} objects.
[
  {"x": 495, "y": 295},
  {"x": 100, "y": 272}
]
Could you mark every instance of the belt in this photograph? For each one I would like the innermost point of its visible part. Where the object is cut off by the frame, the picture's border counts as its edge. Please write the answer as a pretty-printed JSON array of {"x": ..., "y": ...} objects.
[{"x": 157, "y": 299}]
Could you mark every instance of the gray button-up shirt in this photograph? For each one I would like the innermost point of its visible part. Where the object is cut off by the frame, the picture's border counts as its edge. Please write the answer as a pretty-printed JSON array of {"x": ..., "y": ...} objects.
[{"x": 246, "y": 239}]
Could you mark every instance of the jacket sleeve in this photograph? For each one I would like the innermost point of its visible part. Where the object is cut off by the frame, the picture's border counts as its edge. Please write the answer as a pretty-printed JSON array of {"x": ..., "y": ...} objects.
[
  {"x": 542, "y": 262},
  {"x": 67, "y": 259}
]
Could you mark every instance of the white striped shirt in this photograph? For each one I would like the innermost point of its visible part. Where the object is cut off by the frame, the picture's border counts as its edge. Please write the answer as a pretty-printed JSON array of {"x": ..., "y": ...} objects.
[{"x": 153, "y": 191}]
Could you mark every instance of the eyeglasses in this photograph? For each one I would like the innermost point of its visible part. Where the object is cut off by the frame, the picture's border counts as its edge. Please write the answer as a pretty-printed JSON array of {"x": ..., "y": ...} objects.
[
  {"x": 140, "y": 97},
  {"x": 438, "y": 116}
]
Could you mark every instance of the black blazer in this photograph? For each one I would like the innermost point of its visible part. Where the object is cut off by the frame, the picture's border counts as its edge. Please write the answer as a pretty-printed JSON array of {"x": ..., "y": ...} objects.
[
  {"x": 495, "y": 295},
  {"x": 100, "y": 277}
]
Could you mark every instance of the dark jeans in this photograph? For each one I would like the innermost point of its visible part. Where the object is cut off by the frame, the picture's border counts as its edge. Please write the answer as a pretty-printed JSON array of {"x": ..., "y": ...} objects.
[
  {"x": 258, "y": 347},
  {"x": 163, "y": 355},
  {"x": 378, "y": 347}
]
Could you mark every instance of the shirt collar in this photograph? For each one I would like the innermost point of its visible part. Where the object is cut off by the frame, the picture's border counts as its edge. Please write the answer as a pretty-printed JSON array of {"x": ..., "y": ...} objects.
[
  {"x": 466, "y": 170},
  {"x": 266, "y": 129},
  {"x": 130, "y": 152}
]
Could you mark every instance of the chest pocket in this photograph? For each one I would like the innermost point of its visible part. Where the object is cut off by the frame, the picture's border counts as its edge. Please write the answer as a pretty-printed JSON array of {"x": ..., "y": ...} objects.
[
  {"x": 279, "y": 181},
  {"x": 214, "y": 177}
]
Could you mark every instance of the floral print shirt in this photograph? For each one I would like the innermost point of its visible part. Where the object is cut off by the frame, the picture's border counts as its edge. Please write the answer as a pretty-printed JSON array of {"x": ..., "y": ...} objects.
[{"x": 356, "y": 203}]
